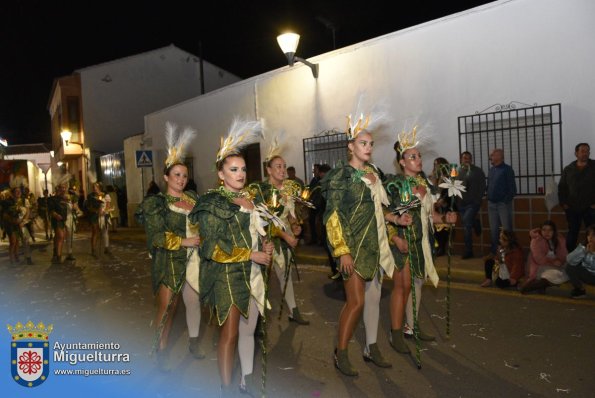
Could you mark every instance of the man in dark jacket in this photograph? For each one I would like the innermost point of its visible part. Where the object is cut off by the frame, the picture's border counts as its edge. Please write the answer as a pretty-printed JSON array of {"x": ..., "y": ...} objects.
[
  {"x": 576, "y": 193},
  {"x": 474, "y": 180},
  {"x": 501, "y": 193}
]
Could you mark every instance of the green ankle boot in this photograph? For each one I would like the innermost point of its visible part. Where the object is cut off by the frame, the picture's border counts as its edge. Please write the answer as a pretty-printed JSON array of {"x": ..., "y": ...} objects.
[
  {"x": 194, "y": 348},
  {"x": 342, "y": 363},
  {"x": 372, "y": 354},
  {"x": 297, "y": 317},
  {"x": 398, "y": 342}
]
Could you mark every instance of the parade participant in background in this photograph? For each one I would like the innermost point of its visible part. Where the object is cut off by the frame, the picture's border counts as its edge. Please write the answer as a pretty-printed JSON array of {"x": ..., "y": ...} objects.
[
  {"x": 114, "y": 210},
  {"x": 14, "y": 215},
  {"x": 411, "y": 245},
  {"x": 284, "y": 239},
  {"x": 231, "y": 280},
  {"x": 97, "y": 205},
  {"x": 31, "y": 203},
  {"x": 42, "y": 211},
  {"x": 72, "y": 214},
  {"x": 58, "y": 209},
  {"x": 356, "y": 234},
  {"x": 172, "y": 241}
]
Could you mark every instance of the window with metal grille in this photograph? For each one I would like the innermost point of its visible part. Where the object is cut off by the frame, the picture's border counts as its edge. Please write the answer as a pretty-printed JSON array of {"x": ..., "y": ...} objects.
[
  {"x": 328, "y": 147},
  {"x": 531, "y": 138}
]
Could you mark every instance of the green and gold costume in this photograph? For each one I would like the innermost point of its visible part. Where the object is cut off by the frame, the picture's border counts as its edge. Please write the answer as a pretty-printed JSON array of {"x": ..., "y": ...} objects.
[
  {"x": 58, "y": 205},
  {"x": 418, "y": 234},
  {"x": 228, "y": 277},
  {"x": 354, "y": 219},
  {"x": 93, "y": 205},
  {"x": 165, "y": 226}
]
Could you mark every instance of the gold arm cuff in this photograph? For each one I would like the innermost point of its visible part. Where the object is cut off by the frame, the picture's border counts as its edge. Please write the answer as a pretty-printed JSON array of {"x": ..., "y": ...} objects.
[
  {"x": 334, "y": 232},
  {"x": 392, "y": 231},
  {"x": 238, "y": 255},
  {"x": 275, "y": 231},
  {"x": 172, "y": 241}
]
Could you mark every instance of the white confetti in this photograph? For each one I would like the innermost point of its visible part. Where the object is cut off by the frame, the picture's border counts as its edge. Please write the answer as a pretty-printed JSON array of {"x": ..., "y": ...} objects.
[
  {"x": 566, "y": 390},
  {"x": 515, "y": 367},
  {"x": 533, "y": 335},
  {"x": 577, "y": 335},
  {"x": 470, "y": 324},
  {"x": 288, "y": 368},
  {"x": 437, "y": 316},
  {"x": 545, "y": 376},
  {"x": 479, "y": 337}
]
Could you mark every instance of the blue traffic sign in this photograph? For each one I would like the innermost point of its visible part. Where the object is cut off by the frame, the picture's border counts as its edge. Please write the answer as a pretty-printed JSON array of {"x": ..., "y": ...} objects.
[{"x": 144, "y": 159}]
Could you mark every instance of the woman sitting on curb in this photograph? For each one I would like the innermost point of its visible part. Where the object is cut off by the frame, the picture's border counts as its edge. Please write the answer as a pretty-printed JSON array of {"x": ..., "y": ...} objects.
[
  {"x": 581, "y": 265},
  {"x": 547, "y": 257},
  {"x": 510, "y": 261}
]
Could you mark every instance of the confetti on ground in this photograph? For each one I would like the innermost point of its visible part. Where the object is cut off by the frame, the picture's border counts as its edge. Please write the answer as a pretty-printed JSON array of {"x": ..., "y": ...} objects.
[
  {"x": 515, "y": 367},
  {"x": 288, "y": 368},
  {"x": 438, "y": 316},
  {"x": 470, "y": 324},
  {"x": 566, "y": 390},
  {"x": 478, "y": 336},
  {"x": 545, "y": 376},
  {"x": 577, "y": 335},
  {"x": 534, "y": 335}
]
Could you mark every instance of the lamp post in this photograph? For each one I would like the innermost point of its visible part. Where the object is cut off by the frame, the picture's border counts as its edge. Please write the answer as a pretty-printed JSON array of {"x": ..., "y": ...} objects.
[
  {"x": 288, "y": 43},
  {"x": 66, "y": 136}
]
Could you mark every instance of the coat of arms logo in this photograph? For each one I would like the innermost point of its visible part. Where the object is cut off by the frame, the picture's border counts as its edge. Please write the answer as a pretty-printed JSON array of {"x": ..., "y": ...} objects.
[{"x": 30, "y": 353}]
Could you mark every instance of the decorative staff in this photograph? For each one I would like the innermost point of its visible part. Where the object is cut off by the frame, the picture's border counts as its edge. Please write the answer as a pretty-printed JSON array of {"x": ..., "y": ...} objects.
[{"x": 455, "y": 188}]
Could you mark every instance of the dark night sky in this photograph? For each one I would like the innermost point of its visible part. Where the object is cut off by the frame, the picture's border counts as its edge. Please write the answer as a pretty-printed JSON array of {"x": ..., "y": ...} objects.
[{"x": 41, "y": 40}]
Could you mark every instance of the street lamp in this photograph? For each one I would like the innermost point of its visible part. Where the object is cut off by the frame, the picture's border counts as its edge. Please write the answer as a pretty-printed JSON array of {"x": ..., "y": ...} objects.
[
  {"x": 288, "y": 43},
  {"x": 66, "y": 136}
]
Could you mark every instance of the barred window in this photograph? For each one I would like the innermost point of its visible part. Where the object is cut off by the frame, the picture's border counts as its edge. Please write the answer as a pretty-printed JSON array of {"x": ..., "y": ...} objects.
[
  {"x": 531, "y": 138},
  {"x": 330, "y": 147}
]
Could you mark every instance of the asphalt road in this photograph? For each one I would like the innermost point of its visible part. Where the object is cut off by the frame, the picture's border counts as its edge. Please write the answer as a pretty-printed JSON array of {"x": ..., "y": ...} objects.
[{"x": 502, "y": 344}]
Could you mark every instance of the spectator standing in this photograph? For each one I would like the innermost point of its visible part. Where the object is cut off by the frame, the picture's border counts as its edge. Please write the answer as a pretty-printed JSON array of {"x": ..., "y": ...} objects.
[
  {"x": 291, "y": 176},
  {"x": 501, "y": 192},
  {"x": 576, "y": 193},
  {"x": 42, "y": 211},
  {"x": 315, "y": 214},
  {"x": 114, "y": 209},
  {"x": 474, "y": 180}
]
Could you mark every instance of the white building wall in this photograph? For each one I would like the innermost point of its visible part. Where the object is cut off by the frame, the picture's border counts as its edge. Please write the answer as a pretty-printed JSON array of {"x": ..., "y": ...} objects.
[
  {"x": 531, "y": 51},
  {"x": 116, "y": 95}
]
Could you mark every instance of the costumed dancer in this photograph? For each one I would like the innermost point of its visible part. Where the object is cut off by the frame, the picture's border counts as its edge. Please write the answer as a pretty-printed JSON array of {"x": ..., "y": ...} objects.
[
  {"x": 97, "y": 206},
  {"x": 284, "y": 239},
  {"x": 231, "y": 279},
  {"x": 58, "y": 211},
  {"x": 411, "y": 246},
  {"x": 357, "y": 237},
  {"x": 72, "y": 208},
  {"x": 14, "y": 214},
  {"x": 172, "y": 241}
]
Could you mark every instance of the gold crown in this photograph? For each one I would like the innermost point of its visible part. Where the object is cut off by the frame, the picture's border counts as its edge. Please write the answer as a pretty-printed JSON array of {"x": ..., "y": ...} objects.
[
  {"x": 407, "y": 139},
  {"x": 354, "y": 130},
  {"x": 30, "y": 331}
]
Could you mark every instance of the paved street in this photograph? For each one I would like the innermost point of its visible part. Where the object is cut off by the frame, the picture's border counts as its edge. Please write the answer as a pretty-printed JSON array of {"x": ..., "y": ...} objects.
[{"x": 501, "y": 344}]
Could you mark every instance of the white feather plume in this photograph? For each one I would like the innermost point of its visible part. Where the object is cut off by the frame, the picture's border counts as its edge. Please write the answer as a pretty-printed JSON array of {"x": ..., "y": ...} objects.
[
  {"x": 367, "y": 117},
  {"x": 177, "y": 144},
  {"x": 275, "y": 145},
  {"x": 242, "y": 133}
]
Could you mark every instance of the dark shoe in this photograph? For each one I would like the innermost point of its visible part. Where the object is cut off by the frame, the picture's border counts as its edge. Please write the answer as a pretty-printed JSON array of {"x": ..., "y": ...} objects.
[
  {"x": 342, "y": 363},
  {"x": 163, "y": 362},
  {"x": 578, "y": 293},
  {"x": 227, "y": 391},
  {"x": 373, "y": 355},
  {"x": 535, "y": 284},
  {"x": 249, "y": 388},
  {"x": 56, "y": 260},
  {"x": 297, "y": 317},
  {"x": 467, "y": 256},
  {"x": 70, "y": 258},
  {"x": 107, "y": 251},
  {"x": 397, "y": 342},
  {"x": 29, "y": 261},
  {"x": 195, "y": 349}
]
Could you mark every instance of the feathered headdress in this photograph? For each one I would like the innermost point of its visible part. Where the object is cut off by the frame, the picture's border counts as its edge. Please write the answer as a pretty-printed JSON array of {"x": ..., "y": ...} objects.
[
  {"x": 274, "y": 148},
  {"x": 407, "y": 140},
  {"x": 177, "y": 143},
  {"x": 242, "y": 133},
  {"x": 367, "y": 120}
]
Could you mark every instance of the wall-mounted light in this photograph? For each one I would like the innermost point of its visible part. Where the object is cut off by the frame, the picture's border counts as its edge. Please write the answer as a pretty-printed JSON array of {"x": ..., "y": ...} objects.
[{"x": 288, "y": 43}]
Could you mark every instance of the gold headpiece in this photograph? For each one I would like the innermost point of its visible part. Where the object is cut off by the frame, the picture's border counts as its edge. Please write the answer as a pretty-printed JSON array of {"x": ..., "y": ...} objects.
[
  {"x": 241, "y": 134},
  {"x": 274, "y": 148},
  {"x": 407, "y": 140},
  {"x": 367, "y": 120},
  {"x": 177, "y": 143}
]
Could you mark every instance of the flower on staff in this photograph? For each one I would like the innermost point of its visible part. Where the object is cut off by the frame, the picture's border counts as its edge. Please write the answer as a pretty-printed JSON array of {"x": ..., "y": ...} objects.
[
  {"x": 268, "y": 217},
  {"x": 455, "y": 187}
]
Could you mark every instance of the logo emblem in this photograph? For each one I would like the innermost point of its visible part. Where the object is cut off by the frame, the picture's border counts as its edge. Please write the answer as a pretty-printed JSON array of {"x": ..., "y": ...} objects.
[{"x": 30, "y": 353}]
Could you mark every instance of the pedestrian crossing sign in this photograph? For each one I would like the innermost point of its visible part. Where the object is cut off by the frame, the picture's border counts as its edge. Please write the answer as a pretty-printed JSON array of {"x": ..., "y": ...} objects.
[{"x": 144, "y": 159}]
